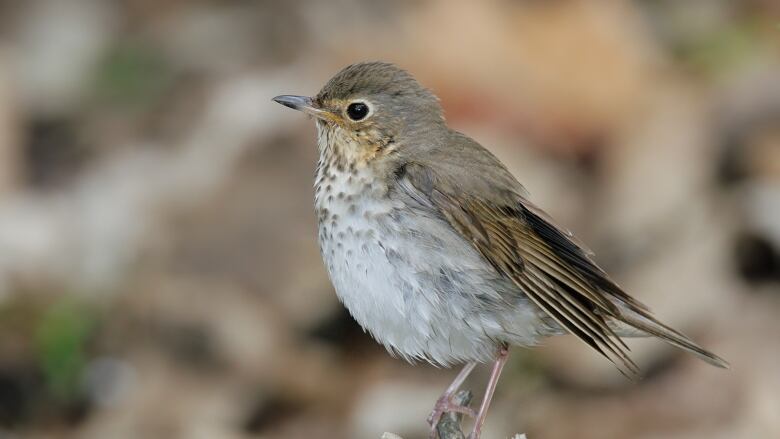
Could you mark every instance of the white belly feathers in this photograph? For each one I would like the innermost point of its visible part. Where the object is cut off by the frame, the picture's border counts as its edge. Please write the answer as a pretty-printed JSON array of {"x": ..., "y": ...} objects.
[{"x": 391, "y": 290}]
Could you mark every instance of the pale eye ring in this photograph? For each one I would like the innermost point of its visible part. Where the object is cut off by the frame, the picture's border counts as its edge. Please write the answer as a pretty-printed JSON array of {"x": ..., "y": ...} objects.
[{"x": 357, "y": 110}]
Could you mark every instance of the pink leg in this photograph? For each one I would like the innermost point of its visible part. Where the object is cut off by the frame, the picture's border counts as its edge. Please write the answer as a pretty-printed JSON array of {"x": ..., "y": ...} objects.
[
  {"x": 444, "y": 403},
  {"x": 503, "y": 355}
]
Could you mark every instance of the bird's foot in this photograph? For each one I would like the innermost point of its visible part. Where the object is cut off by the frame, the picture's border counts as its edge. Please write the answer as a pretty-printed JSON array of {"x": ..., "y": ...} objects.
[{"x": 445, "y": 405}]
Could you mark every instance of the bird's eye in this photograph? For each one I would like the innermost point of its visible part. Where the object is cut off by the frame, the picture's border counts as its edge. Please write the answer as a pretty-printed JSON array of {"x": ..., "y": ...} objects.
[{"x": 357, "y": 110}]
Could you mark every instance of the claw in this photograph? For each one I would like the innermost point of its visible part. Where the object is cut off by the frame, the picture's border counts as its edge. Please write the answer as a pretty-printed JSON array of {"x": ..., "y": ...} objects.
[{"x": 445, "y": 405}]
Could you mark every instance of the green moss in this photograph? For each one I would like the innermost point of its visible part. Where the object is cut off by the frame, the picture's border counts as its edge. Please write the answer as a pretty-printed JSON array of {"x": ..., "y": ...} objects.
[
  {"x": 131, "y": 74},
  {"x": 60, "y": 339},
  {"x": 722, "y": 49}
]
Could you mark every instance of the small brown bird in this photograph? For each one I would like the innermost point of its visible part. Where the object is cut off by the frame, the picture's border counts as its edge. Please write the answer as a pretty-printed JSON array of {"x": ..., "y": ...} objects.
[{"x": 434, "y": 247}]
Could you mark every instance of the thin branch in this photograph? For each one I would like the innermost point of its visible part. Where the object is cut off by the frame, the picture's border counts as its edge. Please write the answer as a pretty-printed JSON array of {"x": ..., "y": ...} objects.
[{"x": 449, "y": 425}]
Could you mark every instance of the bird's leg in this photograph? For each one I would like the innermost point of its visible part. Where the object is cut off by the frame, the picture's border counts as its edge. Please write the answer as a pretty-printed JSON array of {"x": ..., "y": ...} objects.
[
  {"x": 444, "y": 403},
  {"x": 503, "y": 355}
]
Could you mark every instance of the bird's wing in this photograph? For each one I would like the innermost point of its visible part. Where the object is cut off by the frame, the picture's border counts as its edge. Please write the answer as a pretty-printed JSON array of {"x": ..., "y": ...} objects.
[{"x": 521, "y": 243}]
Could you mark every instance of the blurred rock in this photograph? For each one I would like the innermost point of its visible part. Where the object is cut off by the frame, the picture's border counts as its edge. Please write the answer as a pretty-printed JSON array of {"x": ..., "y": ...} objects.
[
  {"x": 56, "y": 47},
  {"x": 758, "y": 259},
  {"x": 9, "y": 135},
  {"x": 399, "y": 407},
  {"x": 533, "y": 54},
  {"x": 53, "y": 156},
  {"x": 109, "y": 380},
  {"x": 105, "y": 216}
]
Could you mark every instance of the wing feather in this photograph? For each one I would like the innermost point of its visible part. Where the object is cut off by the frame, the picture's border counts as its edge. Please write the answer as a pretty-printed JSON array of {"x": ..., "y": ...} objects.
[
  {"x": 505, "y": 237},
  {"x": 555, "y": 271}
]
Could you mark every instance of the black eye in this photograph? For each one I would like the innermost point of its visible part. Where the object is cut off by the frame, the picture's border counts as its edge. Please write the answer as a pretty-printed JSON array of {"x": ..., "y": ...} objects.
[{"x": 357, "y": 110}]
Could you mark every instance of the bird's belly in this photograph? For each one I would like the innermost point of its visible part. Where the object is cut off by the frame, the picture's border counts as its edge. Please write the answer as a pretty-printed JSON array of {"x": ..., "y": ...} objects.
[{"x": 417, "y": 287}]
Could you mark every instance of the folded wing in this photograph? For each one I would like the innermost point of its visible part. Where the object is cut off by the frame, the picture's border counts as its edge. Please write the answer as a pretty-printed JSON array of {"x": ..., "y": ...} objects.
[{"x": 543, "y": 260}]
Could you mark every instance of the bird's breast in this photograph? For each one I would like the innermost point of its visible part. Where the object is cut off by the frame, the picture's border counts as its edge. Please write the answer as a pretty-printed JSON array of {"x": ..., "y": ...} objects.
[
  {"x": 352, "y": 210},
  {"x": 355, "y": 222},
  {"x": 408, "y": 278}
]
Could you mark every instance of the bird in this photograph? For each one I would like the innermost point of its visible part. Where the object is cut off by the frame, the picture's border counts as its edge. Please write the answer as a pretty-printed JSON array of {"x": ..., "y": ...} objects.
[{"x": 436, "y": 249}]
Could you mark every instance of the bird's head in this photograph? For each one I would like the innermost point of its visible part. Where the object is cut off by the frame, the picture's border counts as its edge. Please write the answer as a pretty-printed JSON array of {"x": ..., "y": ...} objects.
[{"x": 368, "y": 110}]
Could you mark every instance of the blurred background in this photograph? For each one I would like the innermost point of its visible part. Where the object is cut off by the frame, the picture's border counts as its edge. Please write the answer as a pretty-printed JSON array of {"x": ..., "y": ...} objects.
[{"x": 159, "y": 272}]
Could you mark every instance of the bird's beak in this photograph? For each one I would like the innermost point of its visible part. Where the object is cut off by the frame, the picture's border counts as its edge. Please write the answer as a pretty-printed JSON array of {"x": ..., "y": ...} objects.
[{"x": 302, "y": 103}]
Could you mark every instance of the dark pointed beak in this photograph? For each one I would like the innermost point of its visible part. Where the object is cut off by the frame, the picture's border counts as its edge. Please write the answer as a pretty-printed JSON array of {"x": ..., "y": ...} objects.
[
  {"x": 294, "y": 102},
  {"x": 301, "y": 103}
]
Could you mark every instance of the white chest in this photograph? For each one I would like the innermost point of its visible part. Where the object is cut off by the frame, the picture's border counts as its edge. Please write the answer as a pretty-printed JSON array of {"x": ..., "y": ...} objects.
[
  {"x": 409, "y": 279},
  {"x": 354, "y": 237}
]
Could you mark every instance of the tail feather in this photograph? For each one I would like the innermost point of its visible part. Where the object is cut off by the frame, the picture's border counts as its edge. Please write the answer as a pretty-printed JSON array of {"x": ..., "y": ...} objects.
[{"x": 644, "y": 322}]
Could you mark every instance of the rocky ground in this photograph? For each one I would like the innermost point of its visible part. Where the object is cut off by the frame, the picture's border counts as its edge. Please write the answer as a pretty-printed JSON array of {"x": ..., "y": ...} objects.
[{"x": 159, "y": 274}]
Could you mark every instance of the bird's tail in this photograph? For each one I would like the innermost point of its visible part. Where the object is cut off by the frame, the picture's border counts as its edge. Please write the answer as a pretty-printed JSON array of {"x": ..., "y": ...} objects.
[{"x": 641, "y": 323}]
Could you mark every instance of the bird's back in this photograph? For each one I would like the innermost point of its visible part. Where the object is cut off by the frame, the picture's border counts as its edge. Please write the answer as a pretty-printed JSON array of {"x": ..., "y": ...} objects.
[{"x": 464, "y": 184}]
